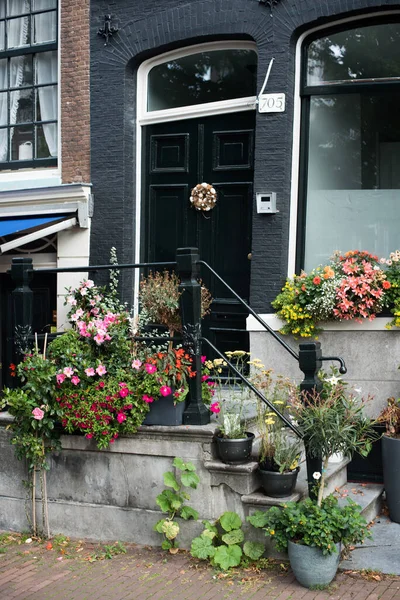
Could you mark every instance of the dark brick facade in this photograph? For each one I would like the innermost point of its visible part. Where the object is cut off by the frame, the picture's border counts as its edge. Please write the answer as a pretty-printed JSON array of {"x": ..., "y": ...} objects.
[
  {"x": 75, "y": 91},
  {"x": 150, "y": 27}
]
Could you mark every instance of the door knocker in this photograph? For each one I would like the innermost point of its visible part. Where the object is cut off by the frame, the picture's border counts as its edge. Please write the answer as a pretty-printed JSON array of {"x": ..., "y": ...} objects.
[{"x": 203, "y": 197}]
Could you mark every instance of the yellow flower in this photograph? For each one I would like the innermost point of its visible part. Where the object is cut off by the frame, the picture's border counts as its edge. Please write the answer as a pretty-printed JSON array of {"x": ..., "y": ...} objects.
[
  {"x": 239, "y": 353},
  {"x": 218, "y": 361},
  {"x": 294, "y": 464},
  {"x": 270, "y": 421},
  {"x": 278, "y": 402},
  {"x": 271, "y": 532}
]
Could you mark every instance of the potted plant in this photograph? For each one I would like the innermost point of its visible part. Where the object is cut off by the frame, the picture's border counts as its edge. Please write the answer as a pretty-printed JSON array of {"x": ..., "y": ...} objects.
[
  {"x": 234, "y": 443},
  {"x": 159, "y": 301},
  {"x": 331, "y": 421},
  {"x": 390, "y": 416},
  {"x": 279, "y": 453}
]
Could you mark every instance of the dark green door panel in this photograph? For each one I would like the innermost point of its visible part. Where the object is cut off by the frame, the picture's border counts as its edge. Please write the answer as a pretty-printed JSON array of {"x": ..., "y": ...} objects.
[{"x": 218, "y": 150}]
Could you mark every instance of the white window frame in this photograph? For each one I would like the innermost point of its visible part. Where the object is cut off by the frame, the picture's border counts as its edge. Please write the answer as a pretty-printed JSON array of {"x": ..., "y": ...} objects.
[
  {"x": 145, "y": 117},
  {"x": 294, "y": 194},
  {"x": 40, "y": 177}
]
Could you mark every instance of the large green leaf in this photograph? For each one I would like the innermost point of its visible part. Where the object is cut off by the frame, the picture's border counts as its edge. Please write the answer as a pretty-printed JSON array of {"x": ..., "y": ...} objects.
[
  {"x": 158, "y": 526},
  {"x": 208, "y": 534},
  {"x": 259, "y": 519},
  {"x": 190, "y": 479},
  {"x": 236, "y": 536},
  {"x": 170, "y": 481},
  {"x": 228, "y": 556},
  {"x": 202, "y": 548},
  {"x": 253, "y": 550},
  {"x": 208, "y": 525},
  {"x": 188, "y": 512},
  {"x": 183, "y": 466},
  {"x": 166, "y": 545},
  {"x": 230, "y": 520}
]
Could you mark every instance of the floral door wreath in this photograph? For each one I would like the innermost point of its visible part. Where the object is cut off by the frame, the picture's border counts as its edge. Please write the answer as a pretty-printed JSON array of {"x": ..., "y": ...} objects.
[{"x": 203, "y": 197}]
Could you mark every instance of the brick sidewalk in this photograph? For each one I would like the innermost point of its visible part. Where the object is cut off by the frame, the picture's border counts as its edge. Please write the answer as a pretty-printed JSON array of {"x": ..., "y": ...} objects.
[{"x": 66, "y": 572}]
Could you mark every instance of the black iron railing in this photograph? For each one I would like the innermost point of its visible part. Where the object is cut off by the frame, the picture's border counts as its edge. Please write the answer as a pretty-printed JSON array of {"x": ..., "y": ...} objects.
[{"x": 187, "y": 266}]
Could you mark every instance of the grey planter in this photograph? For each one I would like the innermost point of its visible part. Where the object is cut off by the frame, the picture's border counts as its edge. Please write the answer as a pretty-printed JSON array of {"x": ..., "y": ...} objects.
[
  {"x": 310, "y": 566},
  {"x": 235, "y": 452},
  {"x": 391, "y": 479}
]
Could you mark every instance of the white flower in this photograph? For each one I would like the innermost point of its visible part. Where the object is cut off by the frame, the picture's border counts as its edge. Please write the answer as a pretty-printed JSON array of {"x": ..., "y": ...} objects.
[
  {"x": 333, "y": 380},
  {"x": 358, "y": 390},
  {"x": 316, "y": 475}
]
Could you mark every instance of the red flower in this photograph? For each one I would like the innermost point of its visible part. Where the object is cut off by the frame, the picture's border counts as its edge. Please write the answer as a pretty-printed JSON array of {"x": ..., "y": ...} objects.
[
  {"x": 386, "y": 285},
  {"x": 316, "y": 280},
  {"x": 215, "y": 407}
]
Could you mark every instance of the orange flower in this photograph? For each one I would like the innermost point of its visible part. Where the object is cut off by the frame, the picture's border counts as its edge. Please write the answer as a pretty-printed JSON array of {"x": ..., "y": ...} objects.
[
  {"x": 316, "y": 280},
  {"x": 386, "y": 285},
  {"x": 12, "y": 369},
  {"x": 328, "y": 272}
]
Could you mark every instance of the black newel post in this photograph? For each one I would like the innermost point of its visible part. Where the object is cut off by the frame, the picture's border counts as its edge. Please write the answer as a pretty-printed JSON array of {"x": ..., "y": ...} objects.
[
  {"x": 310, "y": 362},
  {"x": 187, "y": 259},
  {"x": 22, "y": 305}
]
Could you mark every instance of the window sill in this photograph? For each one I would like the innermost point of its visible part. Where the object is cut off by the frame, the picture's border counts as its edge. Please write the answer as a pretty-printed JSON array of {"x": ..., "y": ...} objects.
[
  {"x": 29, "y": 179},
  {"x": 275, "y": 323}
]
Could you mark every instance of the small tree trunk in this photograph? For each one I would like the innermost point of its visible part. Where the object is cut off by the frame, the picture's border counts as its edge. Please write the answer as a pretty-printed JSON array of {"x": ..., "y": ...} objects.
[{"x": 322, "y": 484}]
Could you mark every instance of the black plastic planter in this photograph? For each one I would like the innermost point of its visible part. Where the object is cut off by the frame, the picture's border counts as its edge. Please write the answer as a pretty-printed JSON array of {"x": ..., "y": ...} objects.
[
  {"x": 235, "y": 452},
  {"x": 278, "y": 485},
  {"x": 391, "y": 479},
  {"x": 164, "y": 412}
]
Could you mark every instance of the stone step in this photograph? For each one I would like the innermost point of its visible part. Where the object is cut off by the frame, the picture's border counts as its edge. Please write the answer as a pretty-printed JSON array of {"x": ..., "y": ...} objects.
[
  {"x": 366, "y": 495},
  {"x": 336, "y": 477}
]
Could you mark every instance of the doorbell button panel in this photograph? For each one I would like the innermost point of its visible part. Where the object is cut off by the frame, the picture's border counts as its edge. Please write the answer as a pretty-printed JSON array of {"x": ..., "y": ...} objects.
[{"x": 266, "y": 203}]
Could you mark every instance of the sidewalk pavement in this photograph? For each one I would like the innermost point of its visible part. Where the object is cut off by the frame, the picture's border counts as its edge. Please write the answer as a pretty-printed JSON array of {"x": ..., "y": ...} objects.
[{"x": 75, "y": 570}]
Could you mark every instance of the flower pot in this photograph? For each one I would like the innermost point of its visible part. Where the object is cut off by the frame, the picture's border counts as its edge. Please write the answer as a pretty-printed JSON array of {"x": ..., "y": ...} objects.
[
  {"x": 310, "y": 566},
  {"x": 278, "y": 485},
  {"x": 391, "y": 470},
  {"x": 164, "y": 412},
  {"x": 237, "y": 451}
]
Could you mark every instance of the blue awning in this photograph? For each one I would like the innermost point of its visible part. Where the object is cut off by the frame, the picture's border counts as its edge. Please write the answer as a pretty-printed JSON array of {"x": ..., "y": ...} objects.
[{"x": 12, "y": 225}]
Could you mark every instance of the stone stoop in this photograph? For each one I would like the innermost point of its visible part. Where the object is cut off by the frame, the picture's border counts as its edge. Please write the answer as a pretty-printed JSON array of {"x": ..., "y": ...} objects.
[{"x": 366, "y": 495}]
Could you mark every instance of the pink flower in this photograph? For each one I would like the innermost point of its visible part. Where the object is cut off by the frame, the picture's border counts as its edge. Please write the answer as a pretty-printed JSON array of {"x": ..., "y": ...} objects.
[
  {"x": 165, "y": 390},
  {"x": 89, "y": 436},
  {"x": 68, "y": 371},
  {"x": 203, "y": 359},
  {"x": 75, "y": 380},
  {"x": 99, "y": 338},
  {"x": 215, "y": 407},
  {"x": 101, "y": 370},
  {"x": 121, "y": 417},
  {"x": 204, "y": 378},
  {"x": 147, "y": 399},
  {"x": 124, "y": 392},
  {"x": 90, "y": 372},
  {"x": 38, "y": 413},
  {"x": 136, "y": 364},
  {"x": 89, "y": 283},
  {"x": 60, "y": 377},
  {"x": 150, "y": 368}
]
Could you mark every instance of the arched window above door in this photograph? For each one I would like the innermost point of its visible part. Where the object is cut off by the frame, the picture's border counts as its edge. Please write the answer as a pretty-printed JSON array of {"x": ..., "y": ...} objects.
[{"x": 212, "y": 78}]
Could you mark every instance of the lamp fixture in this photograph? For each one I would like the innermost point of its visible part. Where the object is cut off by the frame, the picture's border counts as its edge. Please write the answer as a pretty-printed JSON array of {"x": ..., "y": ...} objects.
[{"x": 108, "y": 30}]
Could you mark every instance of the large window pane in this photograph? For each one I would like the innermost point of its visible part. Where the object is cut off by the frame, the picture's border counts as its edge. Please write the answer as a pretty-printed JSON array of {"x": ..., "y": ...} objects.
[
  {"x": 21, "y": 70},
  {"x": 201, "y": 78},
  {"x": 363, "y": 53},
  {"x": 353, "y": 200},
  {"x": 45, "y": 27}
]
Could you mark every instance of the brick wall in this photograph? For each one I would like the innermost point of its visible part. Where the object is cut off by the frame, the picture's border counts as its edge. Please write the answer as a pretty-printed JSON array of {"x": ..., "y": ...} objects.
[
  {"x": 75, "y": 90},
  {"x": 151, "y": 27}
]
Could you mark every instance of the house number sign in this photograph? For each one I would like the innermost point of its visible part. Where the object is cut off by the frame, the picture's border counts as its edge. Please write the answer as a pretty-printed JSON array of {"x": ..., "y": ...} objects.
[{"x": 271, "y": 103}]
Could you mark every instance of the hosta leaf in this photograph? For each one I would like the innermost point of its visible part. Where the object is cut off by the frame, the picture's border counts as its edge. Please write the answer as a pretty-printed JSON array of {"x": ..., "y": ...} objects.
[
  {"x": 208, "y": 525},
  {"x": 190, "y": 479},
  {"x": 259, "y": 519},
  {"x": 230, "y": 520},
  {"x": 170, "y": 529},
  {"x": 208, "y": 534},
  {"x": 228, "y": 556},
  {"x": 253, "y": 550},
  {"x": 188, "y": 512},
  {"x": 236, "y": 536},
  {"x": 170, "y": 481},
  {"x": 202, "y": 548}
]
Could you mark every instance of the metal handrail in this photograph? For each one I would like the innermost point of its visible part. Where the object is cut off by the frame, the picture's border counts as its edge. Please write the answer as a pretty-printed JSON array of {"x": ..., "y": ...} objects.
[
  {"x": 105, "y": 267},
  {"x": 251, "y": 311},
  {"x": 255, "y": 390}
]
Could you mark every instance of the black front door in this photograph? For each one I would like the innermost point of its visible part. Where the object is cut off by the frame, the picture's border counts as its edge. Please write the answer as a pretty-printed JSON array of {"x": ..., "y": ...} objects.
[{"x": 216, "y": 150}]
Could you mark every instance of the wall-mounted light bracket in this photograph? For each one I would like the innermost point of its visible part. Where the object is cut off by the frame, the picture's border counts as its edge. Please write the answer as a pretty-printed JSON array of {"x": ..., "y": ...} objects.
[
  {"x": 108, "y": 30},
  {"x": 270, "y": 3}
]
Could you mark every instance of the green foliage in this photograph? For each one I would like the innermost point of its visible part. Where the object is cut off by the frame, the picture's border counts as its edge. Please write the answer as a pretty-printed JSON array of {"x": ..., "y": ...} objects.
[
  {"x": 35, "y": 411},
  {"x": 223, "y": 543},
  {"x": 312, "y": 525},
  {"x": 172, "y": 501}
]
